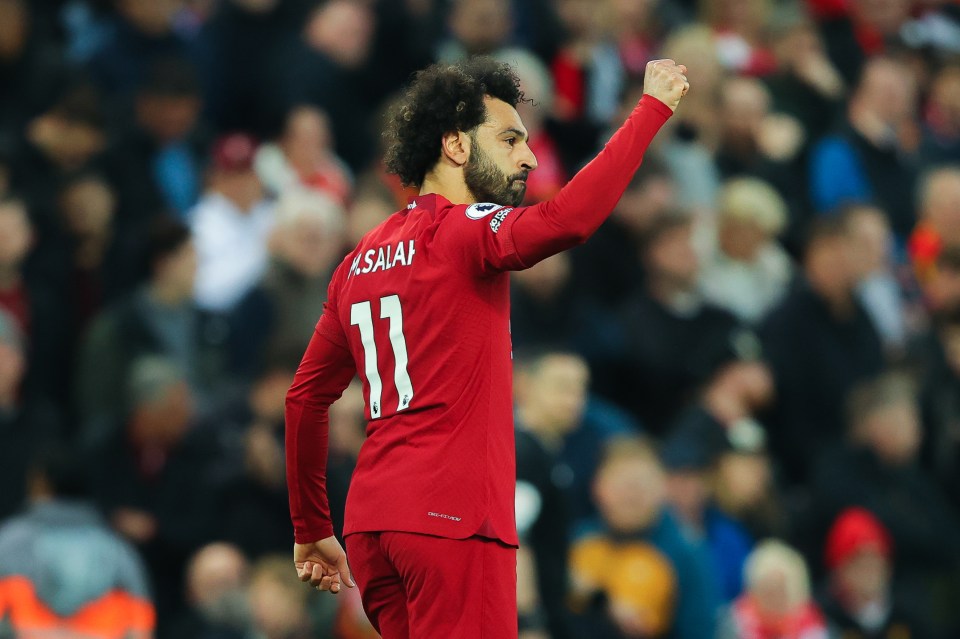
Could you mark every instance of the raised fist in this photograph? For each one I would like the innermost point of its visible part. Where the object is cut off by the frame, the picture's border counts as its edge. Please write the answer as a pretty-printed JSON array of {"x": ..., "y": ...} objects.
[{"x": 666, "y": 81}]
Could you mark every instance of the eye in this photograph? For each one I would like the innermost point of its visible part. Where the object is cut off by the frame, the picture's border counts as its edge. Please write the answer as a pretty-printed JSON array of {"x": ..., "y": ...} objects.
[{"x": 511, "y": 141}]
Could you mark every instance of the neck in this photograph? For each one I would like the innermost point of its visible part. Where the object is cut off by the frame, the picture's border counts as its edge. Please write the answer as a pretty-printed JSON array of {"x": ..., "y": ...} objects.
[
  {"x": 870, "y": 125},
  {"x": 665, "y": 290},
  {"x": 90, "y": 249},
  {"x": 166, "y": 294},
  {"x": 841, "y": 304},
  {"x": 9, "y": 278},
  {"x": 537, "y": 425},
  {"x": 8, "y": 399},
  {"x": 455, "y": 191}
]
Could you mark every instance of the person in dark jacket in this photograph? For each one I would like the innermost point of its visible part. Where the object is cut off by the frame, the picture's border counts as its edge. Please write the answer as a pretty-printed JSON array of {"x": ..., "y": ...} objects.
[
  {"x": 877, "y": 469},
  {"x": 819, "y": 342}
]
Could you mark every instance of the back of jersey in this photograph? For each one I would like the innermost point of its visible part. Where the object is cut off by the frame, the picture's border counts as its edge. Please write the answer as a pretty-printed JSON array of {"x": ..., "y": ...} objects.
[{"x": 423, "y": 306}]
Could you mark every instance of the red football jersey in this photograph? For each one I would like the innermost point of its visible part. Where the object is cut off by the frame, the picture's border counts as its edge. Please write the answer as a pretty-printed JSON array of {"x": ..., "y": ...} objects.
[{"x": 421, "y": 310}]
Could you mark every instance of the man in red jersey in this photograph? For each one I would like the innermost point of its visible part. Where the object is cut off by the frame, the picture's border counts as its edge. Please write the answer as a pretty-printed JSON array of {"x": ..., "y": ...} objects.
[{"x": 421, "y": 310}]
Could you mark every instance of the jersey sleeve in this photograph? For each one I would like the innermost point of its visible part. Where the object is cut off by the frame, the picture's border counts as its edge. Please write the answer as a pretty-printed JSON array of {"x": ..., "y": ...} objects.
[
  {"x": 478, "y": 237},
  {"x": 489, "y": 238},
  {"x": 325, "y": 371}
]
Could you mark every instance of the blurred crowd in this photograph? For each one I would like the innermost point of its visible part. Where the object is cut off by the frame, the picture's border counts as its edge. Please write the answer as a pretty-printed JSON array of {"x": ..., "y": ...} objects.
[{"x": 737, "y": 406}]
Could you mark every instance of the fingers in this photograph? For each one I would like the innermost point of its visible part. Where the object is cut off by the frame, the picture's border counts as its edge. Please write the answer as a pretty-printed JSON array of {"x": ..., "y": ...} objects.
[
  {"x": 344, "y": 571},
  {"x": 306, "y": 571},
  {"x": 326, "y": 579}
]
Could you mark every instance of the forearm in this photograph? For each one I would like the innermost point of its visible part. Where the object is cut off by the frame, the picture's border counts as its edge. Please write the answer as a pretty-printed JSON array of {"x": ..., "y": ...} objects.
[
  {"x": 325, "y": 371},
  {"x": 587, "y": 200},
  {"x": 306, "y": 452}
]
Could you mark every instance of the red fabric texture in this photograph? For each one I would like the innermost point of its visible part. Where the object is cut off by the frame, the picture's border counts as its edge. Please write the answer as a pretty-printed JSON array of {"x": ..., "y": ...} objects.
[{"x": 416, "y": 586}]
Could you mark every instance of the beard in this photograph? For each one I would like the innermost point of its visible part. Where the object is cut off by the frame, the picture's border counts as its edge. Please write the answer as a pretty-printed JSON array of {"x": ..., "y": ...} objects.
[{"x": 487, "y": 183}]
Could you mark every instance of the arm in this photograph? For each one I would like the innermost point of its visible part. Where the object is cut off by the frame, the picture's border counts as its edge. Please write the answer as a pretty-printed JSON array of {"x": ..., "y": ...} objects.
[
  {"x": 502, "y": 238},
  {"x": 326, "y": 370},
  {"x": 324, "y": 373},
  {"x": 584, "y": 203}
]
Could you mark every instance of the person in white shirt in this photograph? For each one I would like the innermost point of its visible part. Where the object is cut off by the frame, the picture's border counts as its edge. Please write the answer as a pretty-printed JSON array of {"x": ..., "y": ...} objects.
[
  {"x": 747, "y": 271},
  {"x": 231, "y": 226}
]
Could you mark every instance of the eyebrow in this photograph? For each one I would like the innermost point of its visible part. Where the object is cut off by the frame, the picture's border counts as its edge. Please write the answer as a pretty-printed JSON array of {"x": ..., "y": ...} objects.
[{"x": 518, "y": 132}]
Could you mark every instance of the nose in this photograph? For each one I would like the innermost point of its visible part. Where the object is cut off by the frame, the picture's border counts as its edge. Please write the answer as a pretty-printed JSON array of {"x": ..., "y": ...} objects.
[{"x": 528, "y": 162}]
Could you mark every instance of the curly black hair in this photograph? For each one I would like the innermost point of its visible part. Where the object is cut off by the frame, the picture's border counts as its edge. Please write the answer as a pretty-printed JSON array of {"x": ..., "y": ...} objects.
[{"x": 443, "y": 98}]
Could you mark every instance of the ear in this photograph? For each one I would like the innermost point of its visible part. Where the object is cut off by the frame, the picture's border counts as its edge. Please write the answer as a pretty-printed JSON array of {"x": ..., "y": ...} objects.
[{"x": 455, "y": 147}]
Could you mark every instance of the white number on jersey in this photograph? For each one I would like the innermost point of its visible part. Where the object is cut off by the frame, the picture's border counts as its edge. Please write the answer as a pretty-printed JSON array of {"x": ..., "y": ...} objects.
[{"x": 361, "y": 315}]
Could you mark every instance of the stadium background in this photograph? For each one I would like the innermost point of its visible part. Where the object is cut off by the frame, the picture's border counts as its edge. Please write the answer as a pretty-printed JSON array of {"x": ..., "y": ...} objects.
[{"x": 764, "y": 336}]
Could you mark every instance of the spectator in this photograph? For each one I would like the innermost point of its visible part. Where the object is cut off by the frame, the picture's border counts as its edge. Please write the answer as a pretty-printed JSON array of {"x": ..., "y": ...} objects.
[
  {"x": 877, "y": 470},
  {"x": 275, "y": 321},
  {"x": 745, "y": 484},
  {"x": 251, "y": 497},
  {"x": 323, "y": 68},
  {"x": 939, "y": 205},
  {"x": 146, "y": 473},
  {"x": 938, "y": 354},
  {"x": 607, "y": 269},
  {"x": 231, "y": 224},
  {"x": 858, "y": 601},
  {"x": 62, "y": 571},
  {"x": 159, "y": 318},
  {"x": 238, "y": 46},
  {"x": 587, "y": 72},
  {"x": 26, "y": 421},
  {"x": 551, "y": 395},
  {"x": 819, "y": 343},
  {"x": 869, "y": 158},
  {"x": 30, "y": 302},
  {"x": 941, "y": 131},
  {"x": 141, "y": 32},
  {"x": 673, "y": 341},
  {"x": 696, "y": 129},
  {"x": 217, "y": 577},
  {"x": 30, "y": 69},
  {"x": 858, "y": 31},
  {"x": 159, "y": 161},
  {"x": 66, "y": 138},
  {"x": 92, "y": 265},
  {"x": 477, "y": 27},
  {"x": 754, "y": 141},
  {"x": 348, "y": 429},
  {"x": 747, "y": 273},
  {"x": 545, "y": 309},
  {"x": 806, "y": 84},
  {"x": 635, "y": 565},
  {"x": 777, "y": 603},
  {"x": 304, "y": 158},
  {"x": 278, "y": 602},
  {"x": 689, "y": 455},
  {"x": 740, "y": 31},
  {"x": 879, "y": 289},
  {"x": 639, "y": 28}
]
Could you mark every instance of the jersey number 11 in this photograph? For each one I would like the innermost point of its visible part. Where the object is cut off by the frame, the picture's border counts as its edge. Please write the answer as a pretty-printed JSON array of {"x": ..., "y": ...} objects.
[{"x": 361, "y": 315}]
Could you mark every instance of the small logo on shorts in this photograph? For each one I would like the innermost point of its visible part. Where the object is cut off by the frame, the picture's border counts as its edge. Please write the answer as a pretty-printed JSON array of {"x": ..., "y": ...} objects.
[{"x": 442, "y": 516}]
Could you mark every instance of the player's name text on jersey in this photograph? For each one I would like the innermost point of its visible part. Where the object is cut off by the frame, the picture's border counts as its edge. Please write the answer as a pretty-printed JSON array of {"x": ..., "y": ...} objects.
[{"x": 383, "y": 258}]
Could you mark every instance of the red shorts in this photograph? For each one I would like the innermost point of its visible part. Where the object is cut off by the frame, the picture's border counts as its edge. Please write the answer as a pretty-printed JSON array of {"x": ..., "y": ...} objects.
[{"x": 423, "y": 587}]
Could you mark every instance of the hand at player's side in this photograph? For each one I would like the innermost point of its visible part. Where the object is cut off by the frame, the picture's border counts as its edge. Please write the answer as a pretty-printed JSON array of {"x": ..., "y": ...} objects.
[
  {"x": 666, "y": 81},
  {"x": 323, "y": 563}
]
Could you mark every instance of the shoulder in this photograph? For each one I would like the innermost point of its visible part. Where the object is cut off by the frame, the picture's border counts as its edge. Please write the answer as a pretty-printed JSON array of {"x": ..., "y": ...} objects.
[
  {"x": 475, "y": 215},
  {"x": 16, "y": 537}
]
